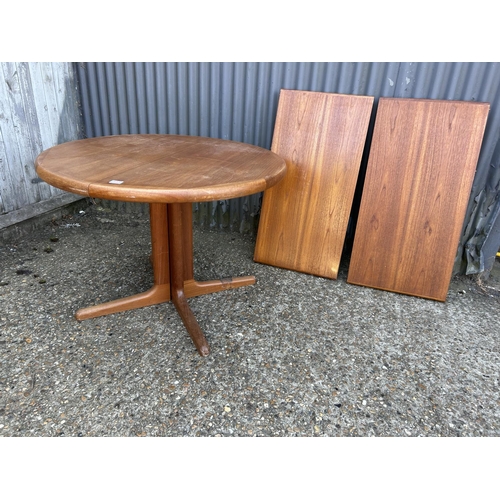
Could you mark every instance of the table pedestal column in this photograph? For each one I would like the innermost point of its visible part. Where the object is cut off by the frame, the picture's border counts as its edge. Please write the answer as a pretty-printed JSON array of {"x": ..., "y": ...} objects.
[{"x": 172, "y": 259}]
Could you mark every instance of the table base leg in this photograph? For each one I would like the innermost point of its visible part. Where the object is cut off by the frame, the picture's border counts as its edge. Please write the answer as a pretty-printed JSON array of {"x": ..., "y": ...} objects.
[
  {"x": 172, "y": 259},
  {"x": 193, "y": 288},
  {"x": 179, "y": 268},
  {"x": 157, "y": 294},
  {"x": 160, "y": 291},
  {"x": 192, "y": 326}
]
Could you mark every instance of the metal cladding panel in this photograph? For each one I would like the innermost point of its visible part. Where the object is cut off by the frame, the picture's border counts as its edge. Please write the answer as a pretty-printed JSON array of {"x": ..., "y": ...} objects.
[{"x": 238, "y": 101}]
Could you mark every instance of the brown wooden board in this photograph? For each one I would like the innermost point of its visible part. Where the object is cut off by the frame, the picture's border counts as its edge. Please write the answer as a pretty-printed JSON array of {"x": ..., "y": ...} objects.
[
  {"x": 304, "y": 218},
  {"x": 419, "y": 176}
]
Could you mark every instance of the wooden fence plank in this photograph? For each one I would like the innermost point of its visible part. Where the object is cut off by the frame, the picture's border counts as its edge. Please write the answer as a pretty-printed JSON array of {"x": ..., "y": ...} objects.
[
  {"x": 38, "y": 109},
  {"x": 420, "y": 170},
  {"x": 13, "y": 160}
]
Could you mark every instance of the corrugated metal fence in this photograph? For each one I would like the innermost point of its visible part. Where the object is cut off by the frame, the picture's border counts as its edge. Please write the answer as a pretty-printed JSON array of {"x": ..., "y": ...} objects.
[
  {"x": 38, "y": 109},
  {"x": 238, "y": 101}
]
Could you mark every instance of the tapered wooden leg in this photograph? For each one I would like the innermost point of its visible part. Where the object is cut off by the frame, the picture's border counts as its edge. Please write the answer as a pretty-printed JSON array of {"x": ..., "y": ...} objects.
[
  {"x": 160, "y": 291},
  {"x": 193, "y": 288},
  {"x": 177, "y": 274}
]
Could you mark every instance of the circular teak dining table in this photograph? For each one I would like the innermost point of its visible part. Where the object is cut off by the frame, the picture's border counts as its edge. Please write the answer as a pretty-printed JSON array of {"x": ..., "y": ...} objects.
[{"x": 169, "y": 172}]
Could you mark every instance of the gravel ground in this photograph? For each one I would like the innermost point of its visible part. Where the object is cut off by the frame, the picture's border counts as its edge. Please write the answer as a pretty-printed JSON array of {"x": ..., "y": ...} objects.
[{"x": 292, "y": 355}]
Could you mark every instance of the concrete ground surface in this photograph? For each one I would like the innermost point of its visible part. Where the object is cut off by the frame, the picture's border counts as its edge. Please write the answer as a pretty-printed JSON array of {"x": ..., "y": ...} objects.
[{"x": 292, "y": 355}]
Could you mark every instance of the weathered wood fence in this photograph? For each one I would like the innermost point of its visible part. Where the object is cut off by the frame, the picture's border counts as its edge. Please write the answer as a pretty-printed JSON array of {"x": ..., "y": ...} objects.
[{"x": 39, "y": 108}]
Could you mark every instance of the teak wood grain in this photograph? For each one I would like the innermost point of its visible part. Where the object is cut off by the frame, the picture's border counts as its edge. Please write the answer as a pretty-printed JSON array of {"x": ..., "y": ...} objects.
[
  {"x": 419, "y": 175},
  {"x": 304, "y": 218},
  {"x": 160, "y": 168}
]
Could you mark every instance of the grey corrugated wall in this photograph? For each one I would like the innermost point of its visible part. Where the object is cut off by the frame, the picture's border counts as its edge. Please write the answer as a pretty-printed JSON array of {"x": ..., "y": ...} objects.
[{"x": 238, "y": 101}]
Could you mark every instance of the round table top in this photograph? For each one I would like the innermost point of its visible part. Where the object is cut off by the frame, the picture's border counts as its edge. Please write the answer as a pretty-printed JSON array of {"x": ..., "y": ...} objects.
[{"x": 160, "y": 168}]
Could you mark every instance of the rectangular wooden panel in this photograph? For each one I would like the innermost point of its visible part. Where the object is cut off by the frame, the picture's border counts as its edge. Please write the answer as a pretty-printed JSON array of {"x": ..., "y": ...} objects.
[
  {"x": 419, "y": 176},
  {"x": 304, "y": 217}
]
